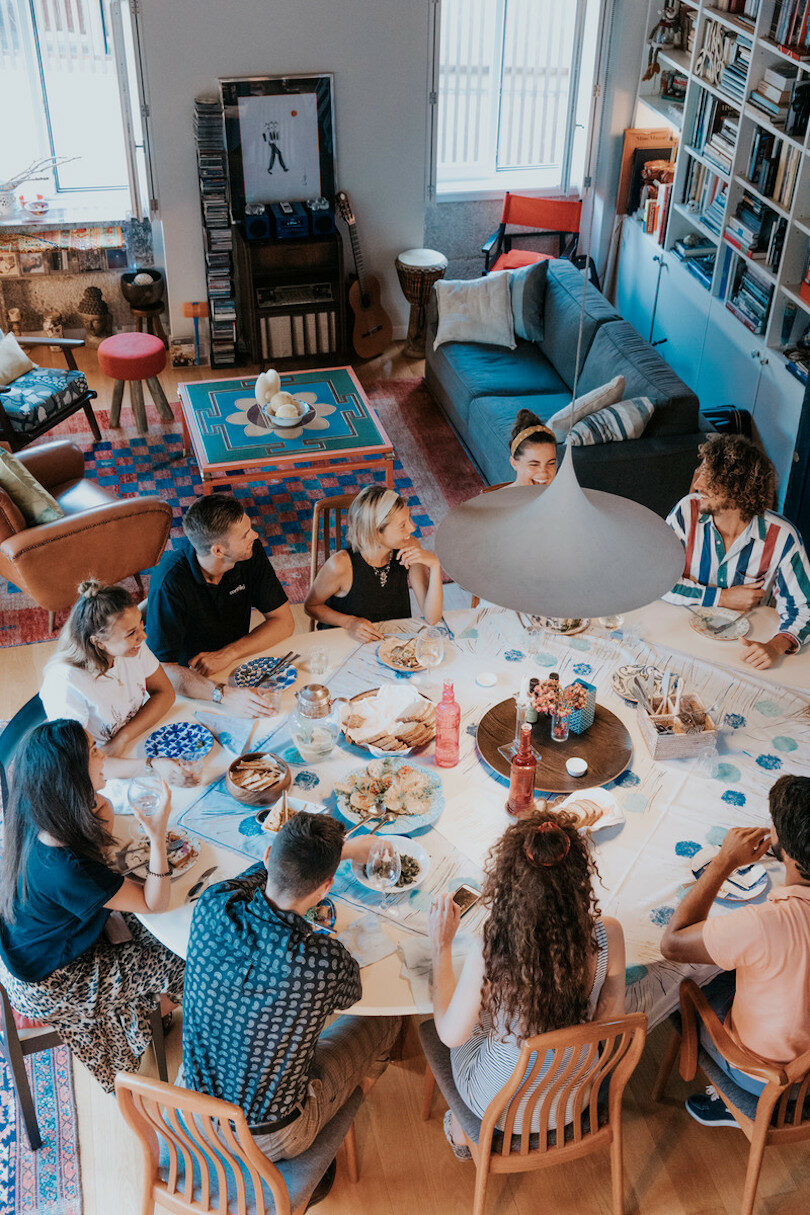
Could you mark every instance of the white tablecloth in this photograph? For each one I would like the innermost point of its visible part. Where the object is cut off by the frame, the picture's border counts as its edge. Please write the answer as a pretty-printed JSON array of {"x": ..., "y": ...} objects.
[{"x": 671, "y": 809}]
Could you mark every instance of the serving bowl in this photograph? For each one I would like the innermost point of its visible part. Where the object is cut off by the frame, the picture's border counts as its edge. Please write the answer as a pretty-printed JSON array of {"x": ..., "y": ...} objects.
[{"x": 258, "y": 797}]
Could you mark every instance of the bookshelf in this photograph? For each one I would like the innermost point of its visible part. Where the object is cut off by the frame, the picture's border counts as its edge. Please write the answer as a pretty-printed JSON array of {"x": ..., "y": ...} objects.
[
  {"x": 212, "y": 175},
  {"x": 740, "y": 180}
]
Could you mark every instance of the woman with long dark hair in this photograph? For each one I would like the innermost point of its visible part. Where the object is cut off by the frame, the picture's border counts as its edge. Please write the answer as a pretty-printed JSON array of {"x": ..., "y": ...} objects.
[
  {"x": 547, "y": 960},
  {"x": 57, "y": 890}
]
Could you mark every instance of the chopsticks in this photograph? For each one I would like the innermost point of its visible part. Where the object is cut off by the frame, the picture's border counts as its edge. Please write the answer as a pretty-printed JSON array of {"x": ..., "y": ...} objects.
[{"x": 283, "y": 661}]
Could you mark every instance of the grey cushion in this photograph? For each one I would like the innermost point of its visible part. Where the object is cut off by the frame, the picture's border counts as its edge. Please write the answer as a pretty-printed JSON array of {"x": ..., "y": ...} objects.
[
  {"x": 561, "y": 309},
  {"x": 618, "y": 350},
  {"x": 490, "y": 422},
  {"x": 438, "y": 1056},
  {"x": 301, "y": 1174},
  {"x": 471, "y": 369},
  {"x": 528, "y": 288}
]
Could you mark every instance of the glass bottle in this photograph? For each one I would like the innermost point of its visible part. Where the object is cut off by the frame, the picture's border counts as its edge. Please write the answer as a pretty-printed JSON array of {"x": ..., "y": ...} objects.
[
  {"x": 448, "y": 722},
  {"x": 521, "y": 776},
  {"x": 532, "y": 714}
]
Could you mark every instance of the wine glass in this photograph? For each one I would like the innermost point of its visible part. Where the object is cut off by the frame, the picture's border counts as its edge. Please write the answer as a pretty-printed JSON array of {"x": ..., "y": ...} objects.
[
  {"x": 429, "y": 648},
  {"x": 144, "y": 795},
  {"x": 611, "y": 623},
  {"x": 383, "y": 867}
]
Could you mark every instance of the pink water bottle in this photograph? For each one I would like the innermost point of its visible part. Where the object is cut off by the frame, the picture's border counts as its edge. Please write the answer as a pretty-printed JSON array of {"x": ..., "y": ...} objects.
[{"x": 448, "y": 721}]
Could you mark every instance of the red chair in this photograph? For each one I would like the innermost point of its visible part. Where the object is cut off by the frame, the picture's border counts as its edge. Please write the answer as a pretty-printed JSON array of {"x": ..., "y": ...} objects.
[{"x": 558, "y": 217}]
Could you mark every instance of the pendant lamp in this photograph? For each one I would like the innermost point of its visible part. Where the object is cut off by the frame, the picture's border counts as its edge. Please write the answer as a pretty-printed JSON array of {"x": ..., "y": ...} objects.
[{"x": 560, "y": 550}]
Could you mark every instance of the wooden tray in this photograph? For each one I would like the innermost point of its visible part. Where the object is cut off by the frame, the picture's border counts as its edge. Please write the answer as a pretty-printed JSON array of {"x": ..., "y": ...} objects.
[{"x": 606, "y": 746}]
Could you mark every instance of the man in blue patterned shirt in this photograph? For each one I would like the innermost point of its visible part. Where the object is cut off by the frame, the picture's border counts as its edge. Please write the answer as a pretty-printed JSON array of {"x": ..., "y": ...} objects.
[{"x": 261, "y": 985}]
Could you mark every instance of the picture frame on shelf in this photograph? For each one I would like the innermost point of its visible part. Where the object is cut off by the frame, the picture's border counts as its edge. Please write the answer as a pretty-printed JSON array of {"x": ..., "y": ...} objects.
[
  {"x": 35, "y": 261},
  {"x": 9, "y": 265},
  {"x": 279, "y": 139}
]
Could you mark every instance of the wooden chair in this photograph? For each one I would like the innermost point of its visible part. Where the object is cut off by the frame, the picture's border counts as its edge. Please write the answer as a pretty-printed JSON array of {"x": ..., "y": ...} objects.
[
  {"x": 490, "y": 489},
  {"x": 780, "y": 1114},
  {"x": 200, "y": 1157},
  {"x": 40, "y": 399},
  {"x": 331, "y": 512},
  {"x": 596, "y": 1081},
  {"x": 33, "y": 1036},
  {"x": 558, "y": 217}
]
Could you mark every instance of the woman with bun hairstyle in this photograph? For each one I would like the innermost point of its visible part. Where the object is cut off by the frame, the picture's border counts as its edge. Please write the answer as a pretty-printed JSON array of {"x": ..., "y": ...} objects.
[
  {"x": 547, "y": 960},
  {"x": 62, "y": 959},
  {"x": 532, "y": 450},
  {"x": 105, "y": 677},
  {"x": 367, "y": 581}
]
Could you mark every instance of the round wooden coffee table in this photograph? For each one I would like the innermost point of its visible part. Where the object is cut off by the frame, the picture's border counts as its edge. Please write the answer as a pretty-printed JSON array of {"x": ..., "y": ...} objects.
[{"x": 606, "y": 747}]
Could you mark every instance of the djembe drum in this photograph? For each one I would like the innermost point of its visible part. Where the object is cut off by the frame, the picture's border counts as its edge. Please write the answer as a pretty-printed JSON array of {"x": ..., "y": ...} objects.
[{"x": 418, "y": 270}]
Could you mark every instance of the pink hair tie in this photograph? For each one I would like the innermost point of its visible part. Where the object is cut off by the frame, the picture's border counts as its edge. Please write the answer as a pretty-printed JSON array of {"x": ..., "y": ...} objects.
[{"x": 546, "y": 827}]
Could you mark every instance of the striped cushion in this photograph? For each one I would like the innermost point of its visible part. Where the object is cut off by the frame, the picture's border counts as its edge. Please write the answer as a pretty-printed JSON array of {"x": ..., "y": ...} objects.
[{"x": 625, "y": 420}]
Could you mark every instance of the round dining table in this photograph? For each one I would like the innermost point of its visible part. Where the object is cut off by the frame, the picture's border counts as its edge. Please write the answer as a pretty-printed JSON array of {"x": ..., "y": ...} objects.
[{"x": 667, "y": 811}]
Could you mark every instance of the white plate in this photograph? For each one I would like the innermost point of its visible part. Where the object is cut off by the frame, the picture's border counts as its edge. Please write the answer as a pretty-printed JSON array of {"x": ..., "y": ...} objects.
[
  {"x": 137, "y": 849},
  {"x": 405, "y": 847},
  {"x": 624, "y": 677},
  {"x": 735, "y": 894},
  {"x": 548, "y": 623},
  {"x": 612, "y": 815},
  {"x": 385, "y": 647},
  {"x": 717, "y": 616}
]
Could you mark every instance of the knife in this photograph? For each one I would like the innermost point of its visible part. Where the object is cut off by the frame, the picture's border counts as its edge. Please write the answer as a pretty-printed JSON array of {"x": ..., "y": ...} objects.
[
  {"x": 283, "y": 661},
  {"x": 642, "y": 695}
]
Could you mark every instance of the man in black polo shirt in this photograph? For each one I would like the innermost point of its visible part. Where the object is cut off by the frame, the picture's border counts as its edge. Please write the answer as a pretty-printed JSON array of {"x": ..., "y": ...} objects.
[{"x": 200, "y": 599}]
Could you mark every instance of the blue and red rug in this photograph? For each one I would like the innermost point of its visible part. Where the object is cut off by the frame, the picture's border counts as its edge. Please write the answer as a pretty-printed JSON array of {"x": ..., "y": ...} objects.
[
  {"x": 432, "y": 471},
  {"x": 47, "y": 1182}
]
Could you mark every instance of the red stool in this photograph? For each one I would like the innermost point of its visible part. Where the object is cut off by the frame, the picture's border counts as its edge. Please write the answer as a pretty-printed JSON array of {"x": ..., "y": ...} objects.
[{"x": 135, "y": 357}]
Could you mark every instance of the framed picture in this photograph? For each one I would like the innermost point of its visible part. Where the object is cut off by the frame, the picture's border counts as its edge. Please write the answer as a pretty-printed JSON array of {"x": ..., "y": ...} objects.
[
  {"x": 9, "y": 266},
  {"x": 279, "y": 139},
  {"x": 36, "y": 261}
]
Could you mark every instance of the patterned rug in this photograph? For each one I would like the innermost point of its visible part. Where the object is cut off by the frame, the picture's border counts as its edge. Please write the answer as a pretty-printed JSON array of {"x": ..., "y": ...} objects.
[
  {"x": 432, "y": 471},
  {"x": 47, "y": 1182}
]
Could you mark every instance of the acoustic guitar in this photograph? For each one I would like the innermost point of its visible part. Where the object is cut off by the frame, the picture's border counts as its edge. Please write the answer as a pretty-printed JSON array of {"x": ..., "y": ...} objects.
[{"x": 372, "y": 330}]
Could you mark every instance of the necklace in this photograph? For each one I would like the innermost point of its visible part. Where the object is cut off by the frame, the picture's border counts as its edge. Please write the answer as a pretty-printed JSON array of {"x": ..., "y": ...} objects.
[{"x": 382, "y": 571}]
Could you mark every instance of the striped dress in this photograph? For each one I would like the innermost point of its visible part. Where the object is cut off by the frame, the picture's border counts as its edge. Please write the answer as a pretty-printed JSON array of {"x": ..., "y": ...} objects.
[
  {"x": 484, "y": 1064},
  {"x": 769, "y": 548}
]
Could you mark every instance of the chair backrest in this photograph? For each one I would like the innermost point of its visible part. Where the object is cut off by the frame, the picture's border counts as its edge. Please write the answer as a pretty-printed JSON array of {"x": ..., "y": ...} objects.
[
  {"x": 582, "y": 1060},
  {"x": 488, "y": 489},
  {"x": 550, "y": 214},
  {"x": 205, "y": 1140},
  {"x": 30, "y": 715},
  {"x": 332, "y": 511}
]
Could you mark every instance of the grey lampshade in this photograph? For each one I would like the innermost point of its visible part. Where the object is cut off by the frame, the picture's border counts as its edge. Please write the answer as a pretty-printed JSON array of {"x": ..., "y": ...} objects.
[{"x": 560, "y": 551}]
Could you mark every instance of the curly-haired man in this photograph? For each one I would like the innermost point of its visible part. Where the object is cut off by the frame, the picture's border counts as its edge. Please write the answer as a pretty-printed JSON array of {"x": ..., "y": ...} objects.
[{"x": 738, "y": 551}]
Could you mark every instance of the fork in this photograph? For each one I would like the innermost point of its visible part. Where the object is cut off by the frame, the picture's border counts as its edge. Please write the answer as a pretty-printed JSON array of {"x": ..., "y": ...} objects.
[
  {"x": 278, "y": 665},
  {"x": 730, "y": 623},
  {"x": 710, "y": 628}
]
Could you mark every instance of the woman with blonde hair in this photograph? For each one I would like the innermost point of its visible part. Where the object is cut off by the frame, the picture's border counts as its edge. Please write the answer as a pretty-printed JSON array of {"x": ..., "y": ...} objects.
[
  {"x": 105, "y": 677},
  {"x": 367, "y": 581},
  {"x": 547, "y": 960},
  {"x": 532, "y": 450}
]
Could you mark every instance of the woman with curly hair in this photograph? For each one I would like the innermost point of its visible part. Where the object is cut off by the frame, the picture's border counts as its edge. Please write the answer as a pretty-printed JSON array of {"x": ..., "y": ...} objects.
[
  {"x": 738, "y": 551},
  {"x": 547, "y": 960}
]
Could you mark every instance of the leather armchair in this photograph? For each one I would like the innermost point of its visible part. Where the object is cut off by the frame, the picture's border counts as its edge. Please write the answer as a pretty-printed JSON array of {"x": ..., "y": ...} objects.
[{"x": 101, "y": 536}]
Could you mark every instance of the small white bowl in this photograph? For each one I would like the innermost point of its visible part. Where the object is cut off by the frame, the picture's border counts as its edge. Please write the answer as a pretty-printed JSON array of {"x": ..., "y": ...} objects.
[
  {"x": 575, "y": 766},
  {"x": 486, "y": 679}
]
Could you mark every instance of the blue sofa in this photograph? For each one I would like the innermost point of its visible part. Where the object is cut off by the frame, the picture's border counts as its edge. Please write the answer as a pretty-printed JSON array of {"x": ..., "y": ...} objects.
[{"x": 481, "y": 388}]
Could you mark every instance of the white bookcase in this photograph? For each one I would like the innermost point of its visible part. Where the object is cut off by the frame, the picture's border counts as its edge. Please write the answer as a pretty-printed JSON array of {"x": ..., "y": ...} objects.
[{"x": 713, "y": 351}]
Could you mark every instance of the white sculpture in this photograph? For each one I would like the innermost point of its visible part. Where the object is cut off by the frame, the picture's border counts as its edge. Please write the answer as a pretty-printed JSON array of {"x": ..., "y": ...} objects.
[{"x": 268, "y": 384}]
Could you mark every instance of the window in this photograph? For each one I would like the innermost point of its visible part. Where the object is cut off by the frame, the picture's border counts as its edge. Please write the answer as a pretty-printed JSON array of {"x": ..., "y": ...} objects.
[
  {"x": 514, "y": 91},
  {"x": 65, "y": 67}
]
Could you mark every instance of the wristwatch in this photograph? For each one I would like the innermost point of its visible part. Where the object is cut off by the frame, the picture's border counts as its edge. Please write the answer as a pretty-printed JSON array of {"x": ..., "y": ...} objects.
[{"x": 218, "y": 693}]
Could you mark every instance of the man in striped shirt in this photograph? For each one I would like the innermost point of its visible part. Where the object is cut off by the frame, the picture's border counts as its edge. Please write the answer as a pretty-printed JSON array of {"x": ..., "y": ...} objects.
[{"x": 739, "y": 552}]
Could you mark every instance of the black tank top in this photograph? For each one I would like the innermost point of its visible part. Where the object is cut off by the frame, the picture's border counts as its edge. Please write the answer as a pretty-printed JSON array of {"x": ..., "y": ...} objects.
[{"x": 367, "y": 598}]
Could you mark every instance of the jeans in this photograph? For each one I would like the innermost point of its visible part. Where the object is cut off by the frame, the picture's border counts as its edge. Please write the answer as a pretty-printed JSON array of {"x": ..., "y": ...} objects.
[{"x": 720, "y": 994}]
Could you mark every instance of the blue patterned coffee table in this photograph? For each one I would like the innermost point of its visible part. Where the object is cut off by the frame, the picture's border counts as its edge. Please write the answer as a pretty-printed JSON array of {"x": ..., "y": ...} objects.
[{"x": 233, "y": 442}]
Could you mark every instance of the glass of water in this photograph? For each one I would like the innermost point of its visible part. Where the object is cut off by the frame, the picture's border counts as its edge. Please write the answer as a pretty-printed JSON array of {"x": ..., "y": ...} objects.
[
  {"x": 144, "y": 795},
  {"x": 318, "y": 662},
  {"x": 429, "y": 647},
  {"x": 383, "y": 867}
]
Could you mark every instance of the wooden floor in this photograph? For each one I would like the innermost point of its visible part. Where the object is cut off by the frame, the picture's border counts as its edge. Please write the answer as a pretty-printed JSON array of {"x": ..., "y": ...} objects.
[{"x": 672, "y": 1165}]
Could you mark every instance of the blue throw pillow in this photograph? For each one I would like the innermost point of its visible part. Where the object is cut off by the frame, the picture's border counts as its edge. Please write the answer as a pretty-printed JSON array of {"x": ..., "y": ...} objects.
[{"x": 528, "y": 287}]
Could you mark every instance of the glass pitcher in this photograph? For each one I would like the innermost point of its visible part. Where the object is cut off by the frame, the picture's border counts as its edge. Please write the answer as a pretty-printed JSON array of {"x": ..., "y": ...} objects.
[{"x": 317, "y": 721}]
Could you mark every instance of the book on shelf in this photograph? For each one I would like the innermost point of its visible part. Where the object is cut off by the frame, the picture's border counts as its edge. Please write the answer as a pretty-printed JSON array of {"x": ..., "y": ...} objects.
[
  {"x": 790, "y": 27},
  {"x": 688, "y": 249},
  {"x": 747, "y": 9}
]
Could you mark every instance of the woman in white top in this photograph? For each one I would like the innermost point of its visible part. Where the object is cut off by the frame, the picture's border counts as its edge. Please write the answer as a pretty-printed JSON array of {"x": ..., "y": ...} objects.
[
  {"x": 105, "y": 676},
  {"x": 547, "y": 960}
]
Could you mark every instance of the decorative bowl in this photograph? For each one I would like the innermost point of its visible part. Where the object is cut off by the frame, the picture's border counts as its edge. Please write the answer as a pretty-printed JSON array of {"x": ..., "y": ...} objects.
[{"x": 258, "y": 797}]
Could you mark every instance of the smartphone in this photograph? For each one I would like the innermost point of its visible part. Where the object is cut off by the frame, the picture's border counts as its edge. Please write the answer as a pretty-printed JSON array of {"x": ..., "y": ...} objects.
[{"x": 466, "y": 897}]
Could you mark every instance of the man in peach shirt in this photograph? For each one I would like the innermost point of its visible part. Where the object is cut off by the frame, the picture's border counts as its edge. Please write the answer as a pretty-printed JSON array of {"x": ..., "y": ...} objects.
[{"x": 765, "y": 945}]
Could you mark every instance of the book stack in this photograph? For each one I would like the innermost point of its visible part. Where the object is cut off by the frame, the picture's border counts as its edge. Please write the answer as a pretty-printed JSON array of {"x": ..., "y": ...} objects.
[
  {"x": 735, "y": 73},
  {"x": 774, "y": 91},
  {"x": 656, "y": 210},
  {"x": 750, "y": 298},
  {"x": 773, "y": 167},
  {"x": 746, "y": 9},
  {"x": 719, "y": 149},
  {"x": 217, "y": 234},
  {"x": 789, "y": 27},
  {"x": 749, "y": 229},
  {"x": 705, "y": 194},
  {"x": 698, "y": 255}
]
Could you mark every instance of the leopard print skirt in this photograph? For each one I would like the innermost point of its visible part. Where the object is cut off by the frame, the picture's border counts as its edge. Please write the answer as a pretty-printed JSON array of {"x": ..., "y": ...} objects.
[{"x": 101, "y": 1002}]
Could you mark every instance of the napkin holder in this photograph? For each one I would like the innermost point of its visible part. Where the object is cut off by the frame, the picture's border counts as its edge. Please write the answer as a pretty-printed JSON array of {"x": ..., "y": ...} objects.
[{"x": 664, "y": 732}]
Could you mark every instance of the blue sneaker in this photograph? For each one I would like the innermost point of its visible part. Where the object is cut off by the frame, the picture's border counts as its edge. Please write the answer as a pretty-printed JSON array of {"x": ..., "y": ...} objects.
[{"x": 707, "y": 1109}]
